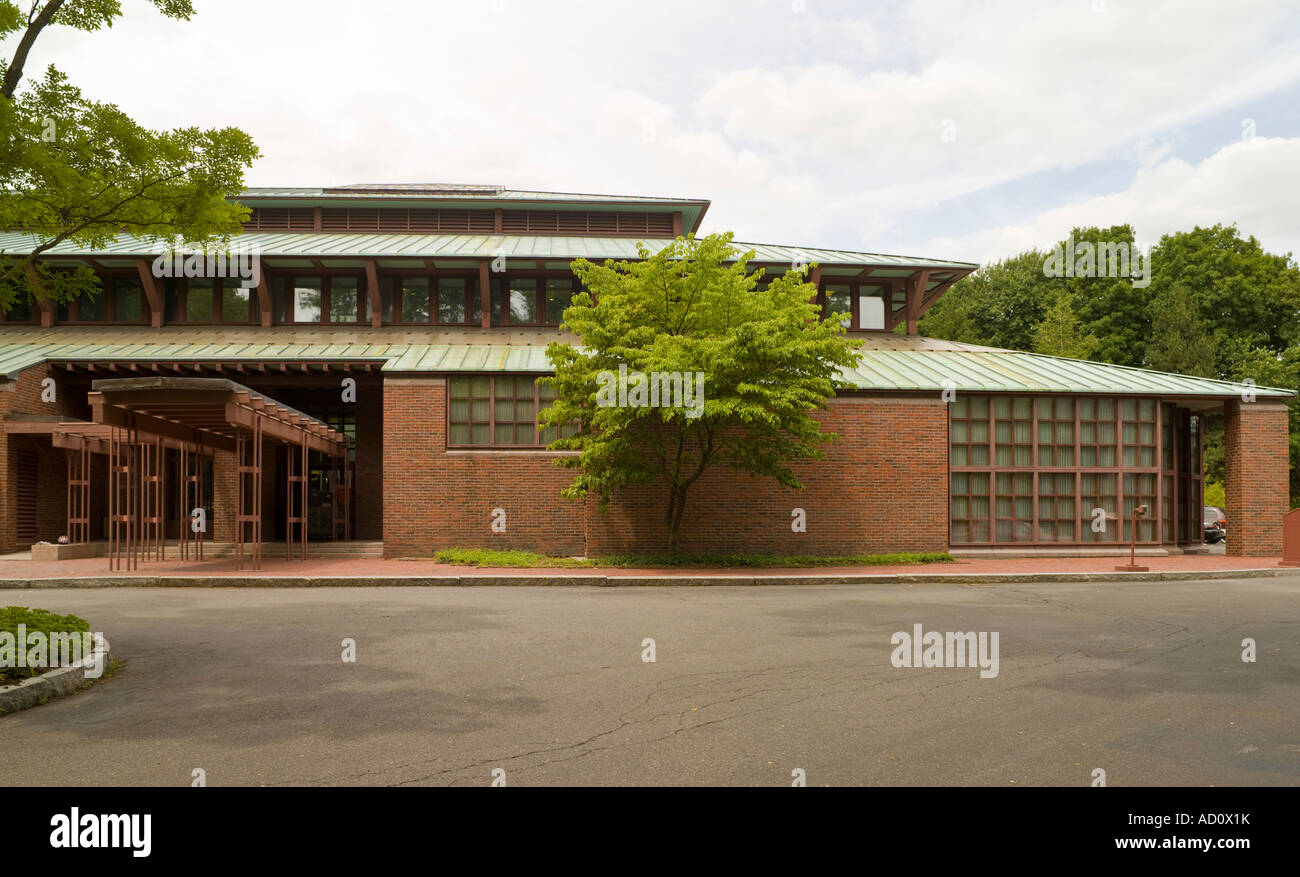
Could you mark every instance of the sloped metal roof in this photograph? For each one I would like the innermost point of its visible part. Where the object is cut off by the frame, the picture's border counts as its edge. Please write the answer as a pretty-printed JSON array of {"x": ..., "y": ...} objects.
[
  {"x": 887, "y": 362},
  {"x": 451, "y": 192},
  {"x": 468, "y": 246}
]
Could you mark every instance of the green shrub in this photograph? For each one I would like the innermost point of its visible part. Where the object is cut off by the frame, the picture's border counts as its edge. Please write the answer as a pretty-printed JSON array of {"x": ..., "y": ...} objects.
[
  {"x": 1214, "y": 494},
  {"x": 41, "y": 620}
]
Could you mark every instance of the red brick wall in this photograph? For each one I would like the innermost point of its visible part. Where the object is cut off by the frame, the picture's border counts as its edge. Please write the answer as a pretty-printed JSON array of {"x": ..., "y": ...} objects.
[
  {"x": 23, "y": 396},
  {"x": 225, "y": 495},
  {"x": 368, "y": 486},
  {"x": 882, "y": 487},
  {"x": 1256, "y": 459},
  {"x": 435, "y": 498}
]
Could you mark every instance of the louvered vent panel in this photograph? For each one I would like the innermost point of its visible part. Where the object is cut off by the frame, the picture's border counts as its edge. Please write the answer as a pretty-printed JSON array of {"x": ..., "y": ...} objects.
[
  {"x": 390, "y": 219},
  {"x": 543, "y": 221},
  {"x": 514, "y": 221},
  {"x": 334, "y": 219},
  {"x": 602, "y": 223},
  {"x": 572, "y": 222},
  {"x": 631, "y": 223},
  {"x": 363, "y": 219},
  {"x": 273, "y": 217},
  {"x": 453, "y": 221},
  {"x": 424, "y": 220},
  {"x": 660, "y": 224},
  {"x": 394, "y": 220},
  {"x": 26, "y": 500}
]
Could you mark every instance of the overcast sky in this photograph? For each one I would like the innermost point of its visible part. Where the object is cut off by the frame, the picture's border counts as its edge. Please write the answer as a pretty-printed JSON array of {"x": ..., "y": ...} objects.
[{"x": 960, "y": 130}]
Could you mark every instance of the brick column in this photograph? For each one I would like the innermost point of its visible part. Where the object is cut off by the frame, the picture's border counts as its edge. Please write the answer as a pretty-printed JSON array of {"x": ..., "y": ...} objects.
[
  {"x": 418, "y": 500},
  {"x": 225, "y": 495},
  {"x": 8, "y": 476},
  {"x": 368, "y": 488},
  {"x": 1258, "y": 488}
]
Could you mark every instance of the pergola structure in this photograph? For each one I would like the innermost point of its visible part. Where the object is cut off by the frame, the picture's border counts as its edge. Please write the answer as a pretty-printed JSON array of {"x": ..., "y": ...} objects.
[{"x": 137, "y": 420}]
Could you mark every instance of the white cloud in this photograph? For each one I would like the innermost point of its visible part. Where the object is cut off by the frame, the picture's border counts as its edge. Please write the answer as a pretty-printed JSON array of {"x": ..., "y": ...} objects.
[
  {"x": 1252, "y": 184},
  {"x": 815, "y": 128}
]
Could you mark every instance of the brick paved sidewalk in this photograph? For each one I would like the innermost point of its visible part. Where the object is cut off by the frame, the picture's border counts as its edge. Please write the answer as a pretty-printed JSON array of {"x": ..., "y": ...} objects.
[{"x": 97, "y": 568}]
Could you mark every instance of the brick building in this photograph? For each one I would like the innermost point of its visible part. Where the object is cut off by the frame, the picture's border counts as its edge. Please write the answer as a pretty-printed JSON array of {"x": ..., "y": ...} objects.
[{"x": 412, "y": 320}]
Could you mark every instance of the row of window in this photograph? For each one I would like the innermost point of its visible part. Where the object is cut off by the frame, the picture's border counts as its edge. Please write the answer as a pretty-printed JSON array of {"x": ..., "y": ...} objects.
[
  {"x": 122, "y": 300},
  {"x": 500, "y": 411},
  {"x": 1024, "y": 431},
  {"x": 1032, "y": 469},
  {"x": 1012, "y": 507},
  {"x": 863, "y": 306},
  {"x": 442, "y": 299}
]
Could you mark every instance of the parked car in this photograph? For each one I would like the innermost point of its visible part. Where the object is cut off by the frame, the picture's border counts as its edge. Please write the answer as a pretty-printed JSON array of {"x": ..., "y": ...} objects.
[{"x": 1215, "y": 524}]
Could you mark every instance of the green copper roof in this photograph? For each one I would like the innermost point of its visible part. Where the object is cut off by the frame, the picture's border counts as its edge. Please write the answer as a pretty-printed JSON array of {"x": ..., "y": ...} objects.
[
  {"x": 887, "y": 363},
  {"x": 273, "y": 245}
]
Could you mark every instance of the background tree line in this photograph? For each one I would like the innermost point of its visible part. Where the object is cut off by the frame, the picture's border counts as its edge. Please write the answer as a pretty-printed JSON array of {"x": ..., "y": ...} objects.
[{"x": 1218, "y": 306}]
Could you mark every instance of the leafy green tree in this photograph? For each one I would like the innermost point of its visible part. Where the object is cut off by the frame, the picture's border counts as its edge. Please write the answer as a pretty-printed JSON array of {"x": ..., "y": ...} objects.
[
  {"x": 1180, "y": 340},
  {"x": 1112, "y": 308},
  {"x": 1059, "y": 334},
  {"x": 1241, "y": 291},
  {"x": 72, "y": 169},
  {"x": 766, "y": 359},
  {"x": 953, "y": 316},
  {"x": 1267, "y": 369}
]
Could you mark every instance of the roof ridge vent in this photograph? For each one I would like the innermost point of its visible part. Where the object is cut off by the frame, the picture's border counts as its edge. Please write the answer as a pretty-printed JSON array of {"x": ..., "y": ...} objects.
[{"x": 415, "y": 189}]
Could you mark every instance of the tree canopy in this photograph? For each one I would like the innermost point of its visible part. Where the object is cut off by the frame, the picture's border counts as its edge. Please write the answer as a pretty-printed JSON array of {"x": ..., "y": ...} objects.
[
  {"x": 73, "y": 169},
  {"x": 764, "y": 359}
]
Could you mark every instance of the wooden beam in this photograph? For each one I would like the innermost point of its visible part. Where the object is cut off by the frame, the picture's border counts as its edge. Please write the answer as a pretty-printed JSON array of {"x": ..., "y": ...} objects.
[
  {"x": 915, "y": 295},
  {"x": 263, "y": 292},
  {"x": 372, "y": 289},
  {"x": 151, "y": 291},
  {"x": 114, "y": 416}
]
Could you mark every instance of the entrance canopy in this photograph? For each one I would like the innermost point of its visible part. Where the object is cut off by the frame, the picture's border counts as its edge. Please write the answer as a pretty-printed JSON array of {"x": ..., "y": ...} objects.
[
  {"x": 214, "y": 412},
  {"x": 137, "y": 421}
]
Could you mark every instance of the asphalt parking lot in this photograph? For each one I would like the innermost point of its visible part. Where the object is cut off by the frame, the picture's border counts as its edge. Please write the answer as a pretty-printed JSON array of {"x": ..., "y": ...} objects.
[{"x": 749, "y": 684}]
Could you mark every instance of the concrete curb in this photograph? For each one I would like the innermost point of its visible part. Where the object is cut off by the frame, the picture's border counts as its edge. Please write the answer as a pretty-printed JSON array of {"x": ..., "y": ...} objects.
[
  {"x": 39, "y": 689},
  {"x": 533, "y": 579}
]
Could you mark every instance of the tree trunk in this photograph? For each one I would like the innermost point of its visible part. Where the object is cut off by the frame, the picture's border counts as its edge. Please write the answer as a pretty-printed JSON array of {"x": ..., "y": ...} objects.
[{"x": 677, "y": 506}]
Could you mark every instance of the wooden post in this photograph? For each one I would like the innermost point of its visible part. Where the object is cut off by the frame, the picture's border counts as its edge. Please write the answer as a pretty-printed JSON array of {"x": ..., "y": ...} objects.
[
  {"x": 151, "y": 292},
  {"x": 1138, "y": 512},
  {"x": 376, "y": 300},
  {"x": 915, "y": 296},
  {"x": 485, "y": 291},
  {"x": 263, "y": 293}
]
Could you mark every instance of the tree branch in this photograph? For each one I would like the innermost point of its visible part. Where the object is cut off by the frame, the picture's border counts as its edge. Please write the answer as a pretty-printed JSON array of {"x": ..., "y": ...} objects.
[{"x": 14, "y": 74}]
